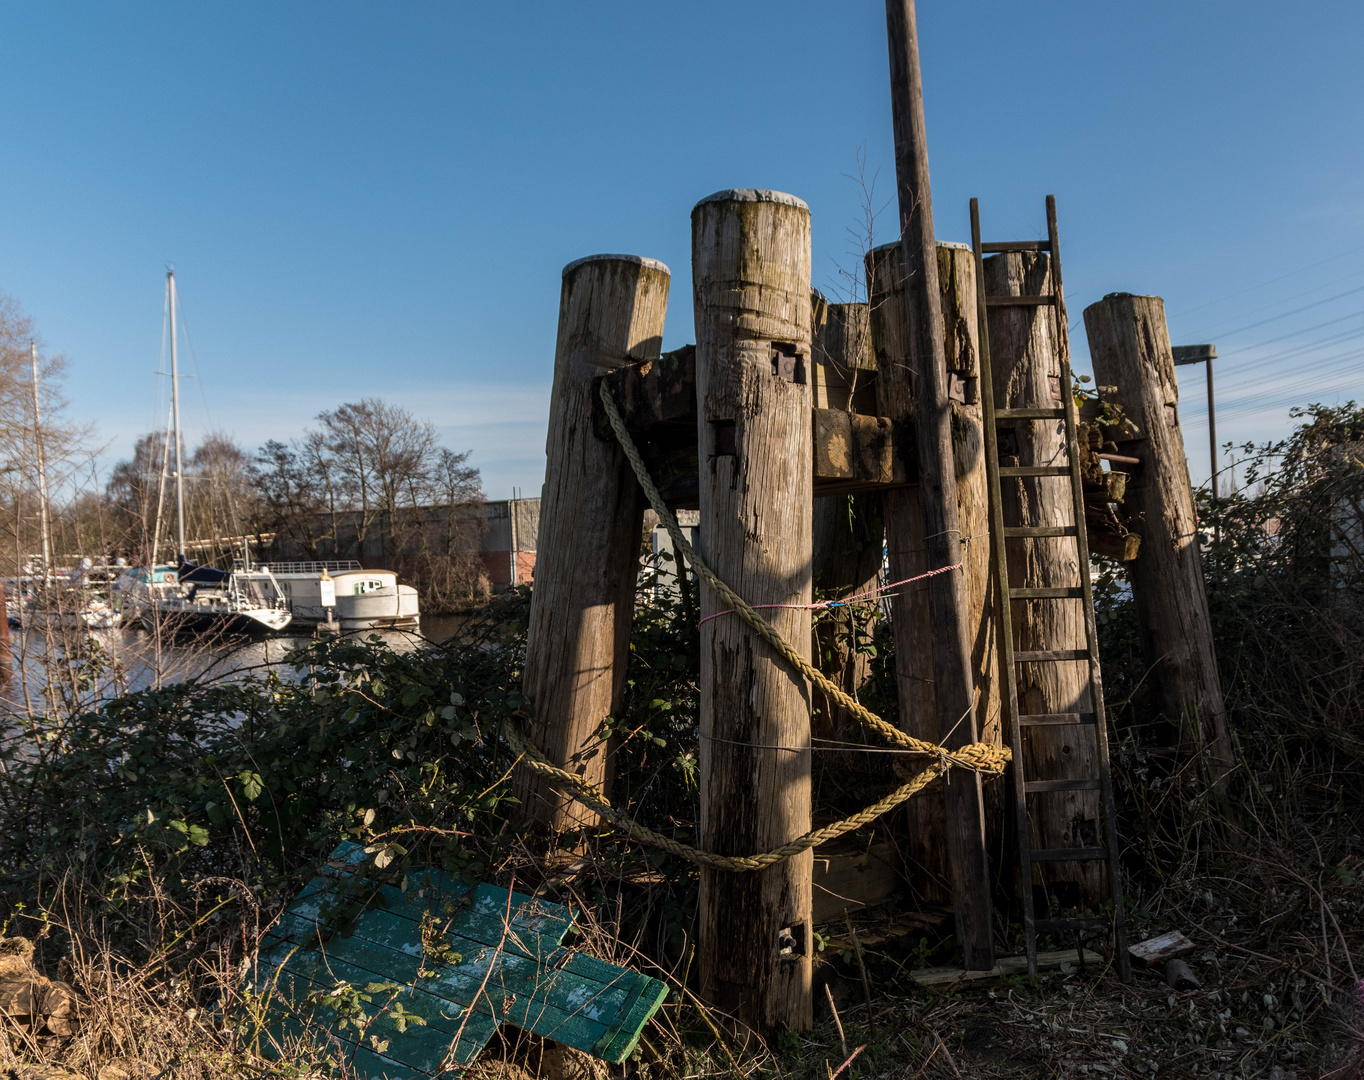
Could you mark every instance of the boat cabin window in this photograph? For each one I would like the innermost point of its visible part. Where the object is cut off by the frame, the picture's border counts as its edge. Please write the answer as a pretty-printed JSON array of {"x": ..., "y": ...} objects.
[
  {"x": 369, "y": 585},
  {"x": 259, "y": 591}
]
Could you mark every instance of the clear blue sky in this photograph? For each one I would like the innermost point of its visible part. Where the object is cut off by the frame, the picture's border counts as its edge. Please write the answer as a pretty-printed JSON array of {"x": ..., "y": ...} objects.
[{"x": 377, "y": 199}]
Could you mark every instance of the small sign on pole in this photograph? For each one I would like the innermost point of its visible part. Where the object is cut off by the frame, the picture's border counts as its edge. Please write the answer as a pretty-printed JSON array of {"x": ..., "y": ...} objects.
[{"x": 327, "y": 587}]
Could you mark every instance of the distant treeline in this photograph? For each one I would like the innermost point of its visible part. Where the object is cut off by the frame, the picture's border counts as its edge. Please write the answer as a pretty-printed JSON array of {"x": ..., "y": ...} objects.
[{"x": 366, "y": 477}]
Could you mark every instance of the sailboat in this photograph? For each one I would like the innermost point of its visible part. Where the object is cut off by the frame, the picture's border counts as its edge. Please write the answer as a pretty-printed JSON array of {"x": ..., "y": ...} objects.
[
  {"x": 45, "y": 595},
  {"x": 200, "y": 601}
]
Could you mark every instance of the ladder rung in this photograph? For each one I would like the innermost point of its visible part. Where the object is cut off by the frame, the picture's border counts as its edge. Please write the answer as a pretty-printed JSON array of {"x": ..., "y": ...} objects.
[
  {"x": 1039, "y": 530},
  {"x": 1031, "y": 786},
  {"x": 1056, "y": 719},
  {"x": 1070, "y": 854},
  {"x": 1030, "y": 414},
  {"x": 1072, "y": 592},
  {"x": 1019, "y": 301},
  {"x": 1092, "y": 923},
  {"x": 1016, "y": 245},
  {"x": 1034, "y": 470},
  {"x": 1044, "y": 656}
]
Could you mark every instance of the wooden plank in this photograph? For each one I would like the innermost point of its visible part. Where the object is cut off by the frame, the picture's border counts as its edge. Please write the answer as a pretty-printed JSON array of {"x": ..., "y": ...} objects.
[
  {"x": 1019, "y": 301},
  {"x": 1163, "y": 947},
  {"x": 849, "y": 446},
  {"x": 513, "y": 966},
  {"x": 1009, "y": 965},
  {"x": 424, "y": 1054},
  {"x": 1015, "y": 245},
  {"x": 852, "y": 876},
  {"x": 422, "y": 1046},
  {"x": 600, "y": 989}
]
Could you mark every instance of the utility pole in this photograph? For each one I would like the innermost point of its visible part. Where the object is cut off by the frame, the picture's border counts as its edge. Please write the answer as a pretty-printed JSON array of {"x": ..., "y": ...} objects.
[{"x": 926, "y": 382}]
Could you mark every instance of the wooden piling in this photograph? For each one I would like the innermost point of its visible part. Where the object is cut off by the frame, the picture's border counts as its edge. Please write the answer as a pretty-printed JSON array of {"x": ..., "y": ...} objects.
[
  {"x": 848, "y": 533},
  {"x": 1129, "y": 344},
  {"x": 751, "y": 269},
  {"x": 611, "y": 312},
  {"x": 932, "y": 415},
  {"x": 925, "y": 843},
  {"x": 1027, "y": 370}
]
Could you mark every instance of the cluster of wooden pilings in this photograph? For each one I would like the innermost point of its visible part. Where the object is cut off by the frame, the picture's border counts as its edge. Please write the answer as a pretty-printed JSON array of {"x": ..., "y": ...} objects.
[{"x": 791, "y": 426}]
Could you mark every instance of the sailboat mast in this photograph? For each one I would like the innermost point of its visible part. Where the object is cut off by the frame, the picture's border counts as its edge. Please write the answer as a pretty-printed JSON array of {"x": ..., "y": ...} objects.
[
  {"x": 43, "y": 524},
  {"x": 175, "y": 414}
]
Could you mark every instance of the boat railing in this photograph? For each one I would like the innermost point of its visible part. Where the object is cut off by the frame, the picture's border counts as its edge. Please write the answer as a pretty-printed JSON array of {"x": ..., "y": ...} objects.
[{"x": 314, "y": 567}]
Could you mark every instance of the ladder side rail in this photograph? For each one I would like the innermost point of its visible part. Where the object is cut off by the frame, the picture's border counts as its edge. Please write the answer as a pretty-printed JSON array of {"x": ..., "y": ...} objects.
[
  {"x": 1122, "y": 960},
  {"x": 1004, "y": 603}
]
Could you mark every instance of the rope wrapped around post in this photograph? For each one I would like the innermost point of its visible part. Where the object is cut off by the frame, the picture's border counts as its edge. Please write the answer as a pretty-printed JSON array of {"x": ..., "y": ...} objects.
[{"x": 977, "y": 757}]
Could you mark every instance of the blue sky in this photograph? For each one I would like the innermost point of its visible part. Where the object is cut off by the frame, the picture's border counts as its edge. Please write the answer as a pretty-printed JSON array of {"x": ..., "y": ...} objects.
[{"x": 366, "y": 199}]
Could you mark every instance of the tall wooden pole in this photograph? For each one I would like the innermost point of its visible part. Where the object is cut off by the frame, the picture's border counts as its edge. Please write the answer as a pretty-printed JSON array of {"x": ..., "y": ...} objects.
[
  {"x": 611, "y": 312},
  {"x": 1130, "y": 347},
  {"x": 925, "y": 843},
  {"x": 751, "y": 269},
  {"x": 928, "y": 393}
]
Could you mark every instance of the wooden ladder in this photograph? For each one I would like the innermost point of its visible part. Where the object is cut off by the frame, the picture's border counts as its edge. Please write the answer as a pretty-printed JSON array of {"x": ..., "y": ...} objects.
[{"x": 1023, "y": 786}]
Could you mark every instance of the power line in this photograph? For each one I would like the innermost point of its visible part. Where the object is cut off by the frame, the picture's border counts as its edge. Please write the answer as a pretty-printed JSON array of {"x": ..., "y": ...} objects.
[
  {"x": 1271, "y": 281},
  {"x": 1286, "y": 314}
]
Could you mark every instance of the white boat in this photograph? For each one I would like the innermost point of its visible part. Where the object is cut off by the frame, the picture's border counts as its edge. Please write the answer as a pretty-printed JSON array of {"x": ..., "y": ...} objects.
[
  {"x": 365, "y": 599},
  {"x": 62, "y": 601},
  {"x": 208, "y": 603},
  {"x": 201, "y": 601}
]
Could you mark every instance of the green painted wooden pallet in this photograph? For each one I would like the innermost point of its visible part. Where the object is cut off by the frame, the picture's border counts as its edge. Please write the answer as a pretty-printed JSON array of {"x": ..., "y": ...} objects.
[{"x": 460, "y": 956}]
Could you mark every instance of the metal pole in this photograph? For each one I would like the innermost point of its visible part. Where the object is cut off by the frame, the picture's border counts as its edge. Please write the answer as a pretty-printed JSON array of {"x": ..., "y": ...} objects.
[
  {"x": 42, "y": 467},
  {"x": 1212, "y": 431},
  {"x": 175, "y": 411}
]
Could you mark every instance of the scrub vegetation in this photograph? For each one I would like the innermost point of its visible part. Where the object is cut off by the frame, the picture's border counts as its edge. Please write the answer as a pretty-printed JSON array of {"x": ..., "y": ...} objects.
[{"x": 148, "y": 840}]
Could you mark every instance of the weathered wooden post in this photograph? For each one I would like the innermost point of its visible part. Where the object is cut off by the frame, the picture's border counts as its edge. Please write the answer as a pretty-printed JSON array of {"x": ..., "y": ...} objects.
[
  {"x": 751, "y": 274},
  {"x": 925, "y": 843},
  {"x": 932, "y": 415},
  {"x": 1027, "y": 371},
  {"x": 611, "y": 312},
  {"x": 1130, "y": 348},
  {"x": 848, "y": 533}
]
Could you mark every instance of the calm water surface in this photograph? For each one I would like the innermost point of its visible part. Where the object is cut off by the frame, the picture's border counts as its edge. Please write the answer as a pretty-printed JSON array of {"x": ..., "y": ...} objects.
[{"x": 124, "y": 660}]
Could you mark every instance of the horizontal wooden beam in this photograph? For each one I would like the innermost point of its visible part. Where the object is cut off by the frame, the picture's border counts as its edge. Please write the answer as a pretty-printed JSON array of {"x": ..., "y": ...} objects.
[{"x": 853, "y": 452}]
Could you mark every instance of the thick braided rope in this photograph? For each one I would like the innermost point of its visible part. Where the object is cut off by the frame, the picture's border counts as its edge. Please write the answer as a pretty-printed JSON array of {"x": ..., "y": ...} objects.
[
  {"x": 592, "y": 797},
  {"x": 978, "y": 757}
]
